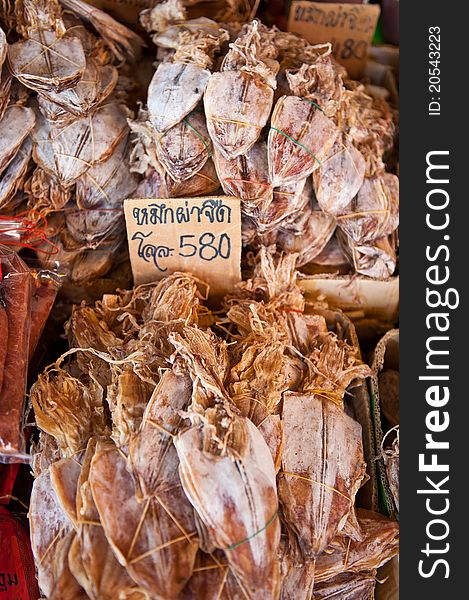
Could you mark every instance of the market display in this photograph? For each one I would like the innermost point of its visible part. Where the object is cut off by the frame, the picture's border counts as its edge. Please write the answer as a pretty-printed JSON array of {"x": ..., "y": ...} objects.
[
  {"x": 185, "y": 446},
  {"x": 203, "y": 449},
  {"x": 303, "y": 146}
]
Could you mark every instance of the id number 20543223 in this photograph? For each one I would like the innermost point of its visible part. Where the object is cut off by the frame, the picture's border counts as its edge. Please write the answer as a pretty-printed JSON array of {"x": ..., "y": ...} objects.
[{"x": 434, "y": 71}]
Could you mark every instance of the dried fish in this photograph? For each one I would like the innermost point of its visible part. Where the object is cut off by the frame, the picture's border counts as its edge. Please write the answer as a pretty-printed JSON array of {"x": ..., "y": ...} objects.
[{"x": 238, "y": 100}]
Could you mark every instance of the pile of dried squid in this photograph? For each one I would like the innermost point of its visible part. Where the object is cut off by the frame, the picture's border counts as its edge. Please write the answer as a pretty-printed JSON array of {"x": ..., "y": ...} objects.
[
  {"x": 244, "y": 110},
  {"x": 64, "y": 114},
  {"x": 277, "y": 123},
  {"x": 190, "y": 455}
]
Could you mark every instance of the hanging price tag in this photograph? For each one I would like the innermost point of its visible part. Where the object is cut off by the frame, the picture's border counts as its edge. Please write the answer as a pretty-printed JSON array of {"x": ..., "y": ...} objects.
[
  {"x": 349, "y": 28},
  {"x": 201, "y": 236}
]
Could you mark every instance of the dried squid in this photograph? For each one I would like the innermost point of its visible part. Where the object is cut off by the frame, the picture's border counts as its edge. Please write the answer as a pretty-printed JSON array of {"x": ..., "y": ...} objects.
[
  {"x": 302, "y": 131},
  {"x": 238, "y": 100}
]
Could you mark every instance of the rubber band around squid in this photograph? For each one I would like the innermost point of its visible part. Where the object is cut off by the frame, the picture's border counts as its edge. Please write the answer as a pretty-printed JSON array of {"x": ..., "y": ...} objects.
[
  {"x": 199, "y": 135},
  {"x": 248, "y": 539},
  {"x": 313, "y": 103},
  {"x": 297, "y": 143}
]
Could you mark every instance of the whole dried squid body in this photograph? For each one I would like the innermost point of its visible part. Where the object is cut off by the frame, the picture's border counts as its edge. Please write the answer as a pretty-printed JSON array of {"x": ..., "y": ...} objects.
[
  {"x": 321, "y": 473},
  {"x": 227, "y": 471},
  {"x": 236, "y": 499},
  {"x": 171, "y": 135},
  {"x": 302, "y": 129},
  {"x": 178, "y": 86},
  {"x": 158, "y": 546},
  {"x": 301, "y": 376},
  {"x": 184, "y": 149},
  {"x": 239, "y": 98}
]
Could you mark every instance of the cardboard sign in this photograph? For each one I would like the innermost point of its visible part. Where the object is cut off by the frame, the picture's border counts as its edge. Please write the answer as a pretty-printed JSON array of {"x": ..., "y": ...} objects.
[
  {"x": 349, "y": 28},
  {"x": 201, "y": 236}
]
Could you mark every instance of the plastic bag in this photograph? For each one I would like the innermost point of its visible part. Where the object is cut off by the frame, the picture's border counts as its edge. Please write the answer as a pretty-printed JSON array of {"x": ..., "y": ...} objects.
[{"x": 15, "y": 324}]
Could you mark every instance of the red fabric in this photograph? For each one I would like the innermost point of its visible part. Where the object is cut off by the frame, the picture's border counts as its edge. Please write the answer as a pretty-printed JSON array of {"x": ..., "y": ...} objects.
[
  {"x": 17, "y": 574},
  {"x": 8, "y": 475}
]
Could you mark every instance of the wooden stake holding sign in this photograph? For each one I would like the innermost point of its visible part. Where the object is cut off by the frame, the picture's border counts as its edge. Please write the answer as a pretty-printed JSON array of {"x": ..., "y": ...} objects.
[
  {"x": 201, "y": 236},
  {"x": 349, "y": 27}
]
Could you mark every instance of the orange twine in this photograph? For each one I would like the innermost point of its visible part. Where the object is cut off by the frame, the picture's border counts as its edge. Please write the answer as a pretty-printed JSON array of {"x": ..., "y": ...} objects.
[{"x": 28, "y": 230}]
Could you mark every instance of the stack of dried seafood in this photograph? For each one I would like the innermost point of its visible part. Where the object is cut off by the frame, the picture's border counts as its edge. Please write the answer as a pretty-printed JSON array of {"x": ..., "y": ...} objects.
[
  {"x": 172, "y": 464},
  {"x": 78, "y": 124},
  {"x": 172, "y": 145},
  {"x": 282, "y": 128},
  {"x": 16, "y": 123}
]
